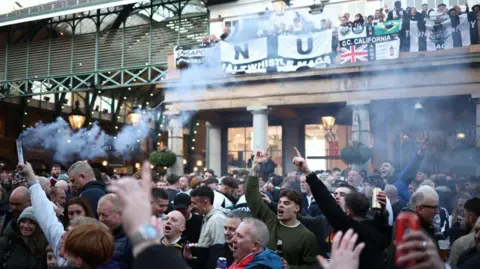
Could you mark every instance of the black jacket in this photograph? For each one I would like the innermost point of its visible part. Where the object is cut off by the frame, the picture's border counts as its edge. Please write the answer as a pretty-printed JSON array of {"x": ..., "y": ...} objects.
[
  {"x": 322, "y": 230},
  {"x": 372, "y": 233},
  {"x": 93, "y": 191},
  {"x": 4, "y": 210},
  {"x": 469, "y": 259},
  {"x": 217, "y": 251},
  {"x": 123, "y": 255}
]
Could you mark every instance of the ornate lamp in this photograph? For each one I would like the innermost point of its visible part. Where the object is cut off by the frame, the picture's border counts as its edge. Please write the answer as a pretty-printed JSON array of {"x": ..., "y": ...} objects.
[
  {"x": 76, "y": 118},
  {"x": 328, "y": 123},
  {"x": 279, "y": 6}
]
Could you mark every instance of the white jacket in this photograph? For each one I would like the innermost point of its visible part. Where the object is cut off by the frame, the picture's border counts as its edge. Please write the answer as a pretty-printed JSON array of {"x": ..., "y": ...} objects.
[{"x": 47, "y": 220}]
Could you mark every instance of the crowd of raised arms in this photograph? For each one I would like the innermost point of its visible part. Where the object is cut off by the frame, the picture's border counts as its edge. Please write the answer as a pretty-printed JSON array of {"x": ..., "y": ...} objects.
[
  {"x": 386, "y": 218},
  {"x": 300, "y": 25}
]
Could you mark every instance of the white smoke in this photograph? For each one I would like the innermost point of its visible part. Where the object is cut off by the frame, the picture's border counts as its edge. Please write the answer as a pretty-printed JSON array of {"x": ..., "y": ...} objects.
[{"x": 87, "y": 143}]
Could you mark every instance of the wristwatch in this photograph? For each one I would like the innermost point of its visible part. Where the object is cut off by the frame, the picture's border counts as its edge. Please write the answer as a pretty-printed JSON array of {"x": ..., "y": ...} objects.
[{"x": 146, "y": 232}]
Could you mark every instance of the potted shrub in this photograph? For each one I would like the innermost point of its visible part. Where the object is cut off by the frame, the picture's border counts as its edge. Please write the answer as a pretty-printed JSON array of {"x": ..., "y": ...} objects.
[
  {"x": 356, "y": 154},
  {"x": 162, "y": 158}
]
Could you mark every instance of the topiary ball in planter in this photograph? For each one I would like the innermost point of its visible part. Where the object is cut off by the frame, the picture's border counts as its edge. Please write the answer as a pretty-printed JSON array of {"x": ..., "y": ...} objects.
[
  {"x": 357, "y": 153},
  {"x": 162, "y": 158}
]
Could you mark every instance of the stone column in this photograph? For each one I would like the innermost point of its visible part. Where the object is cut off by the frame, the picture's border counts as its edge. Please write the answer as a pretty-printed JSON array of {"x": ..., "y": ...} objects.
[
  {"x": 175, "y": 142},
  {"x": 214, "y": 148},
  {"x": 476, "y": 99},
  {"x": 291, "y": 139},
  {"x": 361, "y": 125},
  {"x": 260, "y": 128}
]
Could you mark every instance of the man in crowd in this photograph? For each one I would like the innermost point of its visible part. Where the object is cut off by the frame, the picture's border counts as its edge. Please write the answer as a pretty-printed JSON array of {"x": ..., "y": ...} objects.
[
  {"x": 183, "y": 184},
  {"x": 172, "y": 189},
  {"x": 355, "y": 207},
  {"x": 85, "y": 185},
  {"x": 471, "y": 184},
  {"x": 424, "y": 203},
  {"x": 213, "y": 220},
  {"x": 19, "y": 200},
  {"x": 471, "y": 214},
  {"x": 173, "y": 229},
  {"x": 234, "y": 218},
  {"x": 209, "y": 173},
  {"x": 307, "y": 193},
  {"x": 183, "y": 203},
  {"x": 224, "y": 196},
  {"x": 470, "y": 259},
  {"x": 405, "y": 177},
  {"x": 54, "y": 173},
  {"x": 159, "y": 202},
  {"x": 355, "y": 179},
  {"x": 58, "y": 196},
  {"x": 109, "y": 214},
  {"x": 250, "y": 247},
  {"x": 299, "y": 245},
  {"x": 397, "y": 204}
]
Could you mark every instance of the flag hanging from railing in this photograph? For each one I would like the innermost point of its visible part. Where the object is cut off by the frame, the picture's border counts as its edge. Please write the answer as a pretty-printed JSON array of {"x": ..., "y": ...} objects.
[
  {"x": 440, "y": 34},
  {"x": 368, "y": 42}
]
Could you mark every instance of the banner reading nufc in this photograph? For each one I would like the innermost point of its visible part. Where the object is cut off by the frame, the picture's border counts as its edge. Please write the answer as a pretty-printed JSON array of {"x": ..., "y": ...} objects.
[
  {"x": 443, "y": 33},
  {"x": 278, "y": 53},
  {"x": 363, "y": 43},
  {"x": 191, "y": 54}
]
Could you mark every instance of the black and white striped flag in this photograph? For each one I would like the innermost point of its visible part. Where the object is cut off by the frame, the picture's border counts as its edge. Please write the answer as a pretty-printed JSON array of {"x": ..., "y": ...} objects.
[{"x": 429, "y": 35}]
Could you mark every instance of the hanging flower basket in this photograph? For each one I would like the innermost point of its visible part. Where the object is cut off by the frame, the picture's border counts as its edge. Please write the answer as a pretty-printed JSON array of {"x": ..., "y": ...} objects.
[
  {"x": 356, "y": 153},
  {"x": 163, "y": 158}
]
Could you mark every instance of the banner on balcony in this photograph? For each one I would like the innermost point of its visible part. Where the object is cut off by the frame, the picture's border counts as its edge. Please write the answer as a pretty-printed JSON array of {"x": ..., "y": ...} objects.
[
  {"x": 443, "y": 33},
  {"x": 363, "y": 43},
  {"x": 277, "y": 53},
  {"x": 188, "y": 55}
]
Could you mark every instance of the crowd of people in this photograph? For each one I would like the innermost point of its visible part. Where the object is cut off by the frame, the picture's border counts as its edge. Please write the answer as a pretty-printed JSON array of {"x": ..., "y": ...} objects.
[
  {"x": 302, "y": 25},
  {"x": 246, "y": 219}
]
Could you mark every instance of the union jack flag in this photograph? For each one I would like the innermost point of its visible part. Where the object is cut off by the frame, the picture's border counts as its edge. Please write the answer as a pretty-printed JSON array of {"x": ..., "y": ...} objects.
[{"x": 354, "y": 54}]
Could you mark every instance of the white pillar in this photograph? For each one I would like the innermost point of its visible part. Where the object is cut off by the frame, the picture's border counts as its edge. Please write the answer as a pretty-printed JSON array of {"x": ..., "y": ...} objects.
[
  {"x": 214, "y": 148},
  {"x": 361, "y": 125},
  {"x": 175, "y": 143},
  {"x": 260, "y": 128}
]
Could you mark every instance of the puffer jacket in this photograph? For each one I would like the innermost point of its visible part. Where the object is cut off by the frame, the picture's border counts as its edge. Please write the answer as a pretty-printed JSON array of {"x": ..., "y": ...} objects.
[
  {"x": 14, "y": 253},
  {"x": 123, "y": 255},
  {"x": 93, "y": 191}
]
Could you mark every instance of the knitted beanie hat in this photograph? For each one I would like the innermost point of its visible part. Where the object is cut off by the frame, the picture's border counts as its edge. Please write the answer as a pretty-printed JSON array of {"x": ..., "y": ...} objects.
[{"x": 28, "y": 213}]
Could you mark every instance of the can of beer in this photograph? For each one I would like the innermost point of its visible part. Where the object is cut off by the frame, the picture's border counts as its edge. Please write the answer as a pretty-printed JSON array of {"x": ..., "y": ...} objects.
[
  {"x": 221, "y": 263},
  {"x": 375, "y": 203},
  {"x": 279, "y": 250},
  {"x": 405, "y": 221}
]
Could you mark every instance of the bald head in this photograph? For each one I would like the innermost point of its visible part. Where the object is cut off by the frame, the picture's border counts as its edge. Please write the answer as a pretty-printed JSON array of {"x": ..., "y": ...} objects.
[
  {"x": 174, "y": 225},
  {"x": 392, "y": 193},
  {"x": 45, "y": 183},
  {"x": 19, "y": 200},
  {"x": 62, "y": 184}
]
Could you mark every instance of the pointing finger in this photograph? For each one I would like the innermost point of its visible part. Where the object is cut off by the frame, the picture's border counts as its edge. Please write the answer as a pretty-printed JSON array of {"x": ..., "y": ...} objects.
[
  {"x": 297, "y": 153},
  {"x": 147, "y": 177}
]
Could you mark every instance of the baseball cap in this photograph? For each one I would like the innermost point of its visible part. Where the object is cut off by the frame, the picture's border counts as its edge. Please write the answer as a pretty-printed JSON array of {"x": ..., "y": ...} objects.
[{"x": 181, "y": 201}]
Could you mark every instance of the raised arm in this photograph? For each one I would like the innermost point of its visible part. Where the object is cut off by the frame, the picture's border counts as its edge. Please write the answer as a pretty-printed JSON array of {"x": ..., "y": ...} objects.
[
  {"x": 44, "y": 212},
  {"x": 329, "y": 207},
  {"x": 258, "y": 207}
]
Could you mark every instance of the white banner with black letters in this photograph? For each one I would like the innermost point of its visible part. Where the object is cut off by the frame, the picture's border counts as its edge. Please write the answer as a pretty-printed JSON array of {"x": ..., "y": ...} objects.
[{"x": 287, "y": 53}]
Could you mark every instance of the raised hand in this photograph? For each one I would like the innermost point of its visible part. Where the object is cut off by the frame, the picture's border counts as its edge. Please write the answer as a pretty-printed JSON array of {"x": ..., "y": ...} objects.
[
  {"x": 300, "y": 162},
  {"x": 345, "y": 255},
  {"x": 261, "y": 157},
  {"x": 382, "y": 199},
  {"x": 423, "y": 145},
  {"x": 134, "y": 196},
  {"x": 27, "y": 170}
]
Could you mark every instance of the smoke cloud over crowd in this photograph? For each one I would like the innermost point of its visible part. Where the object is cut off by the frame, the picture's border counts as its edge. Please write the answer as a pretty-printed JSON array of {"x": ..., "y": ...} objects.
[{"x": 86, "y": 143}]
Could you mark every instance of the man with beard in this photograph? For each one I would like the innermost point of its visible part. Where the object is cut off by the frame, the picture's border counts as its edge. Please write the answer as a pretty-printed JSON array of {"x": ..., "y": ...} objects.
[
  {"x": 173, "y": 229},
  {"x": 424, "y": 203},
  {"x": 54, "y": 173},
  {"x": 299, "y": 245},
  {"x": 405, "y": 177},
  {"x": 397, "y": 13},
  {"x": 250, "y": 247},
  {"x": 470, "y": 259},
  {"x": 84, "y": 183},
  {"x": 471, "y": 214}
]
